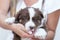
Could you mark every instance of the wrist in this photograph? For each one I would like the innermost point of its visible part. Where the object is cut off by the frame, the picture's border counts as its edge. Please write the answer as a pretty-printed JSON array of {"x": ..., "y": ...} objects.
[
  {"x": 50, "y": 35},
  {"x": 12, "y": 27}
]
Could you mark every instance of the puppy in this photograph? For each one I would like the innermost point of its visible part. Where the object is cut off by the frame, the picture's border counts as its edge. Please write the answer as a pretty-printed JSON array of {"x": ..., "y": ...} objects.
[{"x": 33, "y": 20}]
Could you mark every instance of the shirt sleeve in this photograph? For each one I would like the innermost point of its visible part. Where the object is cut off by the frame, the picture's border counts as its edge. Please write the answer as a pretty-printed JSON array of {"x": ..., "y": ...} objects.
[{"x": 51, "y": 6}]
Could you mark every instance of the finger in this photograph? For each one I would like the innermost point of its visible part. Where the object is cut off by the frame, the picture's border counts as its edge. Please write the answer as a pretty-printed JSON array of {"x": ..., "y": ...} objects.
[
  {"x": 22, "y": 33},
  {"x": 22, "y": 28},
  {"x": 28, "y": 35},
  {"x": 35, "y": 39}
]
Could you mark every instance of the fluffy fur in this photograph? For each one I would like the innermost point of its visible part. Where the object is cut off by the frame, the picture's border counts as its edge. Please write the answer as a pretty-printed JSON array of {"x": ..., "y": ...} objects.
[{"x": 33, "y": 20}]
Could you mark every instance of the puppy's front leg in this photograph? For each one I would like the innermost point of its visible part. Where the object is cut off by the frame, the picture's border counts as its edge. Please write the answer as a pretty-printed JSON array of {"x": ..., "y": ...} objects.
[
  {"x": 10, "y": 20},
  {"x": 40, "y": 33}
]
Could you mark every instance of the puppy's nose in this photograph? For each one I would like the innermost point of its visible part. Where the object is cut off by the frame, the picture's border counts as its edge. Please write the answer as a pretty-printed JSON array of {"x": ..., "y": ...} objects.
[{"x": 31, "y": 27}]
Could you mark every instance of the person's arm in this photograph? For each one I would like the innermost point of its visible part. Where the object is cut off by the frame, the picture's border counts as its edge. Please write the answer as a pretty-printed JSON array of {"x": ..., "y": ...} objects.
[
  {"x": 52, "y": 24},
  {"x": 4, "y": 6}
]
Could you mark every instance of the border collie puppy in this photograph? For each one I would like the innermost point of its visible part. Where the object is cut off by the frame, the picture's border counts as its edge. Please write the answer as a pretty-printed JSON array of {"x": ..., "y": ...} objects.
[{"x": 33, "y": 20}]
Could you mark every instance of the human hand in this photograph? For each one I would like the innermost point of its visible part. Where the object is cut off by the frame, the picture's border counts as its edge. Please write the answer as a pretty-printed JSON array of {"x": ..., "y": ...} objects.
[
  {"x": 17, "y": 28},
  {"x": 21, "y": 31}
]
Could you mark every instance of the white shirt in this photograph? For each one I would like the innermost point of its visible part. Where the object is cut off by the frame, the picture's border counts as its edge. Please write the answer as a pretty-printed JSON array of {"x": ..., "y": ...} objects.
[
  {"x": 48, "y": 7},
  {"x": 51, "y": 6}
]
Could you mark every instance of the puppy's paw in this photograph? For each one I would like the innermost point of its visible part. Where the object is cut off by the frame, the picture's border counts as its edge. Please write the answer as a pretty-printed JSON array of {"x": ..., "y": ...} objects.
[
  {"x": 40, "y": 33},
  {"x": 10, "y": 20}
]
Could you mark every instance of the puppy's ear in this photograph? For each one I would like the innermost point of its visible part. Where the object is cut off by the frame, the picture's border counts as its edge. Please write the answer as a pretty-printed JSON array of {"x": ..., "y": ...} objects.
[
  {"x": 39, "y": 12},
  {"x": 18, "y": 13},
  {"x": 17, "y": 16}
]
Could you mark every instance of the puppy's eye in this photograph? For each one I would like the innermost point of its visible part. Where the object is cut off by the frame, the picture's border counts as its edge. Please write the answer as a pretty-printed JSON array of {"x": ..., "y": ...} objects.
[
  {"x": 36, "y": 20},
  {"x": 22, "y": 18},
  {"x": 39, "y": 21}
]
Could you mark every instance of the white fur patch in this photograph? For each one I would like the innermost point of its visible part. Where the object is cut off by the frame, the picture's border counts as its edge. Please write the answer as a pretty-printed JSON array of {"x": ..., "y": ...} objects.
[
  {"x": 10, "y": 20},
  {"x": 31, "y": 12},
  {"x": 30, "y": 23},
  {"x": 40, "y": 33},
  {"x": 42, "y": 23}
]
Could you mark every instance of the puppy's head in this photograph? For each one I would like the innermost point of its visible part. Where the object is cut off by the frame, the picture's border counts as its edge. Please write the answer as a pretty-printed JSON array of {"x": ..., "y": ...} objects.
[{"x": 29, "y": 17}]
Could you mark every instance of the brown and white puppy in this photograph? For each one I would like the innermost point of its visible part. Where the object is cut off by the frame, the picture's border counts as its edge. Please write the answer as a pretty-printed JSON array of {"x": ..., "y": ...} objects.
[{"x": 33, "y": 20}]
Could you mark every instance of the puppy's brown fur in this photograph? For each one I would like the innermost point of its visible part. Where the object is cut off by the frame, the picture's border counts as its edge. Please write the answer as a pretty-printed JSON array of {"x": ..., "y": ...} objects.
[{"x": 23, "y": 16}]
